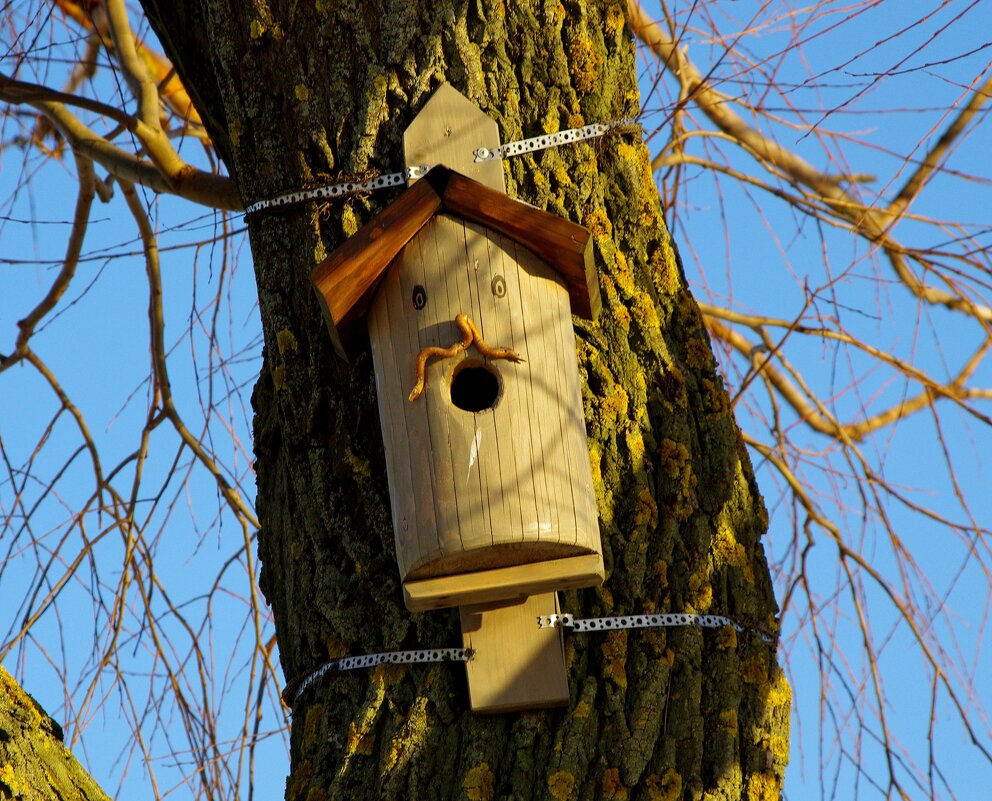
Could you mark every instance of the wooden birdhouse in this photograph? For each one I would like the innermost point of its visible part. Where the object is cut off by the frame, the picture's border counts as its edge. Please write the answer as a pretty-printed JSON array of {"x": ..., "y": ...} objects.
[{"x": 466, "y": 298}]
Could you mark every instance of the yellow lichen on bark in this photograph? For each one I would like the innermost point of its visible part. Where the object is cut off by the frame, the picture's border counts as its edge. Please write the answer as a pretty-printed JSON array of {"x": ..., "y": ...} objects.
[
  {"x": 585, "y": 63},
  {"x": 727, "y": 551},
  {"x": 763, "y": 787},
  {"x": 612, "y": 786},
  {"x": 311, "y": 726},
  {"x": 360, "y": 741},
  {"x": 664, "y": 788},
  {"x": 478, "y": 783},
  {"x": 646, "y": 515},
  {"x": 560, "y": 785},
  {"x": 622, "y": 317},
  {"x": 778, "y": 746},
  {"x": 614, "y": 650},
  {"x": 33, "y": 761},
  {"x": 716, "y": 400},
  {"x": 675, "y": 461},
  {"x": 614, "y": 19},
  {"x": 665, "y": 270},
  {"x": 779, "y": 693},
  {"x": 286, "y": 341},
  {"x": 700, "y": 595},
  {"x": 599, "y": 224},
  {"x": 9, "y": 780},
  {"x": 408, "y": 741}
]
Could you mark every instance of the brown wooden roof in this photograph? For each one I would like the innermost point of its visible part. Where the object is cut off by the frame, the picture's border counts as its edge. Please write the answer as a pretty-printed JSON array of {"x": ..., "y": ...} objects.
[{"x": 346, "y": 280}]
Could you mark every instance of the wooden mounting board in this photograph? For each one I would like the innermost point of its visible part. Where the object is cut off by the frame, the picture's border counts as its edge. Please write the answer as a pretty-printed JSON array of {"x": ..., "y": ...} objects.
[
  {"x": 517, "y": 665},
  {"x": 447, "y": 131}
]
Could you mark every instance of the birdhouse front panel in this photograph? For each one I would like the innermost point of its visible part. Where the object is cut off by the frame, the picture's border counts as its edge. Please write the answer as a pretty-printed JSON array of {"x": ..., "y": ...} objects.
[{"x": 489, "y": 467}]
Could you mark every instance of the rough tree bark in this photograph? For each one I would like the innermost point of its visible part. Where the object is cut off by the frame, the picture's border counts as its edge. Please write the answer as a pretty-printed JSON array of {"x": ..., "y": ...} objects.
[
  {"x": 33, "y": 762},
  {"x": 299, "y": 93}
]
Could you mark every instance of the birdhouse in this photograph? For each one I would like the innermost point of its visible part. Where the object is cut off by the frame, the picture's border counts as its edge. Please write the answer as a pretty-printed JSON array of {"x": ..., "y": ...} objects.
[{"x": 466, "y": 297}]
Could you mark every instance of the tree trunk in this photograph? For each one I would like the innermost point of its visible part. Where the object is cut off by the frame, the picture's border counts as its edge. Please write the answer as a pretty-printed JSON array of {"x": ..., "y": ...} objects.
[
  {"x": 301, "y": 93},
  {"x": 33, "y": 762}
]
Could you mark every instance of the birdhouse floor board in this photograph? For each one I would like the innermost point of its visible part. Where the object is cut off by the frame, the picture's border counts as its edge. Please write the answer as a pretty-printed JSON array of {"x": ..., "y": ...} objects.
[
  {"x": 517, "y": 665},
  {"x": 493, "y": 554},
  {"x": 504, "y": 583}
]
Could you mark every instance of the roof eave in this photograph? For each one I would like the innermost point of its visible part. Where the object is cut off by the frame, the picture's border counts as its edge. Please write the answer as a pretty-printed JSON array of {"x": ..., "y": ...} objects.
[{"x": 345, "y": 281}]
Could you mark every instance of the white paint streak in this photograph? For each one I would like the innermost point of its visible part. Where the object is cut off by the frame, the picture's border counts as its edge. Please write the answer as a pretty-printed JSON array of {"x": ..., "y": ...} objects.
[{"x": 474, "y": 452}]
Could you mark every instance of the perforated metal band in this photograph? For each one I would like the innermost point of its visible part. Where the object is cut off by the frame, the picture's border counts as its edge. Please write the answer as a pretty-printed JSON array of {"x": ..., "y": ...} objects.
[
  {"x": 550, "y": 140},
  {"x": 301, "y": 684},
  {"x": 482, "y": 154},
  {"x": 340, "y": 190},
  {"x": 669, "y": 619}
]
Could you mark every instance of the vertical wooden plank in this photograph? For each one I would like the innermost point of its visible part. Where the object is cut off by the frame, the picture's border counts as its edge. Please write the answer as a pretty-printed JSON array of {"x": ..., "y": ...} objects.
[
  {"x": 464, "y": 436},
  {"x": 498, "y": 466},
  {"x": 495, "y": 311},
  {"x": 580, "y": 473},
  {"x": 517, "y": 665},
  {"x": 433, "y": 329},
  {"x": 483, "y": 422},
  {"x": 399, "y": 474},
  {"x": 414, "y": 520},
  {"x": 447, "y": 131},
  {"x": 551, "y": 431},
  {"x": 540, "y": 398},
  {"x": 559, "y": 319},
  {"x": 513, "y": 407}
]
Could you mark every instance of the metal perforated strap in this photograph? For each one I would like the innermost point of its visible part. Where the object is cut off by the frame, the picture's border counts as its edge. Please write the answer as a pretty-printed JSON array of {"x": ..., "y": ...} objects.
[
  {"x": 340, "y": 190},
  {"x": 549, "y": 140},
  {"x": 669, "y": 619},
  {"x": 302, "y": 683},
  {"x": 305, "y": 681},
  {"x": 410, "y": 173}
]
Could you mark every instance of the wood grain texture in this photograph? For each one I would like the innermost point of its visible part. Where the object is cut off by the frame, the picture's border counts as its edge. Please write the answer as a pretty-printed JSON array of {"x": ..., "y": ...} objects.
[
  {"x": 405, "y": 427},
  {"x": 346, "y": 280},
  {"x": 447, "y": 131},
  {"x": 503, "y": 583},
  {"x": 564, "y": 245},
  {"x": 513, "y": 474},
  {"x": 517, "y": 665},
  {"x": 509, "y": 484}
]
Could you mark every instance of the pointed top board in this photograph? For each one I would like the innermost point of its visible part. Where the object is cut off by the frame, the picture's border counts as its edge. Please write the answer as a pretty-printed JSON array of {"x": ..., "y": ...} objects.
[{"x": 448, "y": 130}]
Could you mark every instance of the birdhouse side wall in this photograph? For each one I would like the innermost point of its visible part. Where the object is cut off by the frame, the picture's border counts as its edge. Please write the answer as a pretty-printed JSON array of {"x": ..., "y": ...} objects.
[{"x": 507, "y": 485}]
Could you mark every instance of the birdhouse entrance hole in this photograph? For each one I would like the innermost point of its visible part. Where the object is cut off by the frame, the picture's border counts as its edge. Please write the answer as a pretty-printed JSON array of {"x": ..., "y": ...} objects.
[{"x": 475, "y": 386}]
